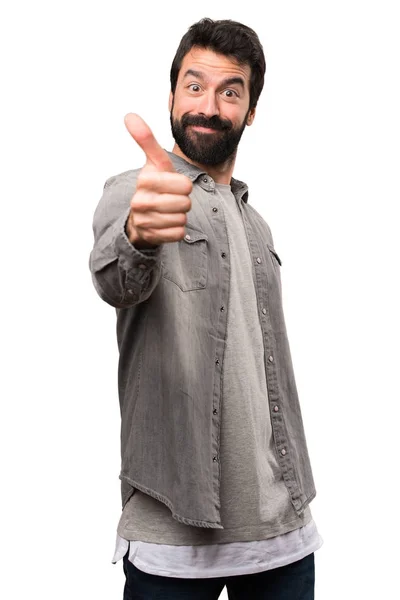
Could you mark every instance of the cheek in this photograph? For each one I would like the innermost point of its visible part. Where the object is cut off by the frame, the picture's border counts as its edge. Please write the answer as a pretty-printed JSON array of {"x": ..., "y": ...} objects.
[
  {"x": 182, "y": 105},
  {"x": 235, "y": 116},
  {"x": 187, "y": 105}
]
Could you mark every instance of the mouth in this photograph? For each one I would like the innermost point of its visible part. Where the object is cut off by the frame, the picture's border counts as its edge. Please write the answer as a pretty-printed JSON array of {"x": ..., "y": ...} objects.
[{"x": 201, "y": 129}]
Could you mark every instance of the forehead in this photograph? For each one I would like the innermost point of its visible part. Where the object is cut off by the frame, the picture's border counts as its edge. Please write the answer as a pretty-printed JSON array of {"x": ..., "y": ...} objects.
[{"x": 213, "y": 65}]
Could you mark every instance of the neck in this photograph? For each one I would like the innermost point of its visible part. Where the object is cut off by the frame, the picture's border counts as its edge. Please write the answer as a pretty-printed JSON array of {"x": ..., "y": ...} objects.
[{"x": 220, "y": 173}]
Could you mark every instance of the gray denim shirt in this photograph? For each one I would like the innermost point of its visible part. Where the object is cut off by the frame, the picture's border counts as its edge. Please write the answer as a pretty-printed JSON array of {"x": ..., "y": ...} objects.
[{"x": 171, "y": 306}]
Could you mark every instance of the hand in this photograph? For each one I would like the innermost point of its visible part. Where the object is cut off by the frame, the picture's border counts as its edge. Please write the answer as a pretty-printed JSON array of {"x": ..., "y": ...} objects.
[{"x": 161, "y": 201}]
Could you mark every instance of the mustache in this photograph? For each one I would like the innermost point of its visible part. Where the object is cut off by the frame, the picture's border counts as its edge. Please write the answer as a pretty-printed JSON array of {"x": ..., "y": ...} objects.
[{"x": 212, "y": 123}]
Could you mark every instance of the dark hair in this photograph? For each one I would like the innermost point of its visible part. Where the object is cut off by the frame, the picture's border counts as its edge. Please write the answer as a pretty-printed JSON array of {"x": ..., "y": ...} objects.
[{"x": 229, "y": 38}]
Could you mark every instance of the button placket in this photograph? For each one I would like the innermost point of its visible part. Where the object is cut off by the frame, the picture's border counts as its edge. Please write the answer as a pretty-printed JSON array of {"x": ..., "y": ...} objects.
[
  {"x": 216, "y": 218},
  {"x": 272, "y": 375}
]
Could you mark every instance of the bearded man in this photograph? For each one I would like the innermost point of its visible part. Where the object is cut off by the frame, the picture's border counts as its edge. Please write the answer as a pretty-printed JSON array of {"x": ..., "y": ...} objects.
[{"x": 215, "y": 474}]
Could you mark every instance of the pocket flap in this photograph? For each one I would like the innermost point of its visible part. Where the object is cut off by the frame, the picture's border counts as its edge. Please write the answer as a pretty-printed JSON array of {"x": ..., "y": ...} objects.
[
  {"x": 193, "y": 235},
  {"x": 274, "y": 252}
]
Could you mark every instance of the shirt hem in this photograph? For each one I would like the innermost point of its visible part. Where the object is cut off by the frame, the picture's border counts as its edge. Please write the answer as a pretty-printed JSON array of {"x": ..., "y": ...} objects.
[
  {"x": 257, "y": 533},
  {"x": 233, "y": 571},
  {"x": 168, "y": 503}
]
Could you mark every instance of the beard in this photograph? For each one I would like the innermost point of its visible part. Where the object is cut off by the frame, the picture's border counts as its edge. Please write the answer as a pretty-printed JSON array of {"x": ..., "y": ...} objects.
[{"x": 207, "y": 148}]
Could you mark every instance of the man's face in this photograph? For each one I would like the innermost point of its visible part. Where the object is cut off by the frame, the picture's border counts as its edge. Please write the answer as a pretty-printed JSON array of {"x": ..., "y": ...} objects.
[{"x": 210, "y": 106}]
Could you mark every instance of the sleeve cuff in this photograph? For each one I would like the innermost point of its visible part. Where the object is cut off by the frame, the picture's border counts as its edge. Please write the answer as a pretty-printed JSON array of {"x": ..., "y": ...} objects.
[{"x": 137, "y": 263}]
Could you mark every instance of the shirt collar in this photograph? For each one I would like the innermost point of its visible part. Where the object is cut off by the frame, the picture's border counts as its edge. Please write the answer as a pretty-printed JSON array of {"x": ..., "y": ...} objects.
[{"x": 239, "y": 189}]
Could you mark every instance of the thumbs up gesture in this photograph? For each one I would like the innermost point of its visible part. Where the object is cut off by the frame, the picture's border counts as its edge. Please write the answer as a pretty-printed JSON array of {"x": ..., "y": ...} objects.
[{"x": 161, "y": 201}]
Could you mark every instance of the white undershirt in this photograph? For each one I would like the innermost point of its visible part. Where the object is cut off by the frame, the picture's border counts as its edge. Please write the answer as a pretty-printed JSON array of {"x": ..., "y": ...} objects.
[{"x": 220, "y": 560}]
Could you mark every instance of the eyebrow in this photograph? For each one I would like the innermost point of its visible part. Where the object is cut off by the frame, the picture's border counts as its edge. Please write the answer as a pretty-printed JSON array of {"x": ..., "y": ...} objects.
[{"x": 228, "y": 81}]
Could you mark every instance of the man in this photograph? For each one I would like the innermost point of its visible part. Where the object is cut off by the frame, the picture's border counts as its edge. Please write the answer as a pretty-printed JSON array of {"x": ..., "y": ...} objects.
[{"x": 216, "y": 478}]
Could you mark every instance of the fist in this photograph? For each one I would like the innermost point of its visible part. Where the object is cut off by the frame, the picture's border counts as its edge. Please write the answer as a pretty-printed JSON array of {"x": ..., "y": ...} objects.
[{"x": 161, "y": 201}]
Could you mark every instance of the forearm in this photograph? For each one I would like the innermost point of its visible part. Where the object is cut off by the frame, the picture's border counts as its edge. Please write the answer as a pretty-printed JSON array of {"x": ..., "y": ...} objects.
[{"x": 123, "y": 275}]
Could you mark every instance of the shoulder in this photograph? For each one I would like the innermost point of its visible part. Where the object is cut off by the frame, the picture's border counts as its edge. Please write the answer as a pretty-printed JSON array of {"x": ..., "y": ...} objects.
[{"x": 125, "y": 179}]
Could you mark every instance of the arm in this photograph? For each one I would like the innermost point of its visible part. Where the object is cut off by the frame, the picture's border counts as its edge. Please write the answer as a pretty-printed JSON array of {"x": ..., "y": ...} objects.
[
  {"x": 138, "y": 212},
  {"x": 123, "y": 274}
]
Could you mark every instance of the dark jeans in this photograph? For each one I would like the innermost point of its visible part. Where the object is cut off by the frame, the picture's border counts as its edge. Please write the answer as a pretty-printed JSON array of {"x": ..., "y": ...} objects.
[{"x": 291, "y": 582}]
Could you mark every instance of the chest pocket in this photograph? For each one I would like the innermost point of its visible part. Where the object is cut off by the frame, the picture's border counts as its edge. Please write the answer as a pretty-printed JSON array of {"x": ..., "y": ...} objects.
[
  {"x": 185, "y": 263},
  {"x": 274, "y": 254}
]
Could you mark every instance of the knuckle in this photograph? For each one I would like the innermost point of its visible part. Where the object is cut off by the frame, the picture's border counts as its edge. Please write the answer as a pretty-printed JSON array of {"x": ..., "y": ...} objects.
[
  {"x": 140, "y": 223},
  {"x": 187, "y": 185},
  {"x": 153, "y": 181},
  {"x": 148, "y": 179},
  {"x": 146, "y": 235},
  {"x": 140, "y": 200},
  {"x": 136, "y": 198},
  {"x": 142, "y": 178}
]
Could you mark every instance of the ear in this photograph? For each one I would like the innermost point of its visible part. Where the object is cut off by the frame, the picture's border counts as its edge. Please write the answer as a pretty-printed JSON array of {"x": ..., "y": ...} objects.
[
  {"x": 171, "y": 97},
  {"x": 250, "y": 116}
]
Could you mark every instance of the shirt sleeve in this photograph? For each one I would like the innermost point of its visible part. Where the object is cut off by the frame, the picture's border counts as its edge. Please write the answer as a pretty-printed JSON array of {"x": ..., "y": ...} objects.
[{"x": 122, "y": 274}]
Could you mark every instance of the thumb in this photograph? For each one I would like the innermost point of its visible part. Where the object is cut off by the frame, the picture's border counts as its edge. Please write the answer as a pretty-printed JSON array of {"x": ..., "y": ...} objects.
[{"x": 142, "y": 134}]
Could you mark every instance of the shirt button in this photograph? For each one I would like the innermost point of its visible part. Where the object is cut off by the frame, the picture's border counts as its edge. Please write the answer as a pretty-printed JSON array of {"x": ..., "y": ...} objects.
[
  {"x": 187, "y": 237},
  {"x": 259, "y": 260},
  {"x": 215, "y": 209},
  {"x": 215, "y": 412},
  {"x": 205, "y": 179},
  {"x": 215, "y": 458},
  {"x": 264, "y": 311},
  {"x": 276, "y": 408},
  {"x": 271, "y": 358},
  {"x": 222, "y": 308},
  {"x": 283, "y": 451},
  {"x": 223, "y": 255}
]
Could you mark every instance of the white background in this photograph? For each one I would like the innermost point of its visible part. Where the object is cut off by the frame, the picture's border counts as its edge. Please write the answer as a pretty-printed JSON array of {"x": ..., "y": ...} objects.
[{"x": 322, "y": 162}]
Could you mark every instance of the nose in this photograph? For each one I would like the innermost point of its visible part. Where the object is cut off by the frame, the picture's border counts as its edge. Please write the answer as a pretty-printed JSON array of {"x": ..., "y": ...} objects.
[{"x": 208, "y": 105}]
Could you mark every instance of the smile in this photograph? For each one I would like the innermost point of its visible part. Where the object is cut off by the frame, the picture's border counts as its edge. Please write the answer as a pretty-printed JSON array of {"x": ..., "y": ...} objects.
[{"x": 203, "y": 129}]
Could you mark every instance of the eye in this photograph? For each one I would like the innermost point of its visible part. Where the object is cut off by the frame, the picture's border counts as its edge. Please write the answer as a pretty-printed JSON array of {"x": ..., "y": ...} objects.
[
  {"x": 194, "y": 87},
  {"x": 231, "y": 93}
]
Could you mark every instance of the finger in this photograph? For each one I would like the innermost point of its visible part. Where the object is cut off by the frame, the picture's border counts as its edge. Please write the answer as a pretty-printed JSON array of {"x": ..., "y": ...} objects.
[
  {"x": 160, "y": 236},
  {"x": 142, "y": 134},
  {"x": 164, "y": 183},
  {"x": 147, "y": 202},
  {"x": 170, "y": 203},
  {"x": 156, "y": 220}
]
